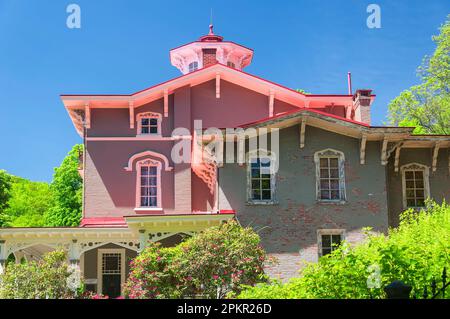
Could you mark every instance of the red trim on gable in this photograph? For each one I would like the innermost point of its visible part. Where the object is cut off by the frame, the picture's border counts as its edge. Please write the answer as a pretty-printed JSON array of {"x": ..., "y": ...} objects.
[
  {"x": 208, "y": 67},
  {"x": 300, "y": 111}
]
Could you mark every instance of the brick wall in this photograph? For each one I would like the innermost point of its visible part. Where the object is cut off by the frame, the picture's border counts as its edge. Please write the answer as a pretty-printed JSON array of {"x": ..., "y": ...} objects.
[
  {"x": 289, "y": 228},
  {"x": 209, "y": 57}
]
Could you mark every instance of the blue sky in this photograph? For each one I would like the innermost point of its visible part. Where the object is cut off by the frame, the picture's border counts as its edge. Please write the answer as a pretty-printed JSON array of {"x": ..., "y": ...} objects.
[{"x": 123, "y": 47}]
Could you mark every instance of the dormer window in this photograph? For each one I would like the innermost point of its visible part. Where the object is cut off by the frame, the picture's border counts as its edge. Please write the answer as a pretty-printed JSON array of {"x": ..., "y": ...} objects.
[
  {"x": 149, "y": 123},
  {"x": 193, "y": 66}
]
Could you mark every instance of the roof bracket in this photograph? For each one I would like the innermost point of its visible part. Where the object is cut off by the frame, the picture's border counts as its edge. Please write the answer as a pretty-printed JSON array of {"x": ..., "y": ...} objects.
[
  {"x": 397, "y": 157},
  {"x": 384, "y": 155},
  {"x": 271, "y": 101},
  {"x": 166, "y": 102},
  {"x": 87, "y": 116},
  {"x": 131, "y": 111},
  {"x": 302, "y": 132},
  {"x": 362, "y": 150},
  {"x": 435, "y": 156},
  {"x": 217, "y": 85}
]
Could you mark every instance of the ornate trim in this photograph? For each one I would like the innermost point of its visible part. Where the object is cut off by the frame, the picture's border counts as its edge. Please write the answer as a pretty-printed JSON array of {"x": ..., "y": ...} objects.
[
  {"x": 426, "y": 179},
  {"x": 148, "y": 115},
  {"x": 150, "y": 163},
  {"x": 261, "y": 153},
  {"x": 129, "y": 168}
]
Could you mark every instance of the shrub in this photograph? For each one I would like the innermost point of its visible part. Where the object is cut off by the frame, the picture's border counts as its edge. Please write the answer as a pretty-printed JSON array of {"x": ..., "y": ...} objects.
[
  {"x": 47, "y": 279},
  {"x": 211, "y": 264},
  {"x": 415, "y": 252}
]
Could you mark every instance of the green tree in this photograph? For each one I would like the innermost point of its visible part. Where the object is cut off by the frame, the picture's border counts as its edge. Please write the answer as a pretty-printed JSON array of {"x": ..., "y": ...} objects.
[
  {"x": 5, "y": 186},
  {"x": 28, "y": 203},
  {"x": 67, "y": 187},
  {"x": 427, "y": 105},
  {"x": 47, "y": 278}
]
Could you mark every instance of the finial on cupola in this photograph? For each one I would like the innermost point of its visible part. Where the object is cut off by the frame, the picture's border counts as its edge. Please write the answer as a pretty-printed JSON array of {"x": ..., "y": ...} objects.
[{"x": 211, "y": 25}]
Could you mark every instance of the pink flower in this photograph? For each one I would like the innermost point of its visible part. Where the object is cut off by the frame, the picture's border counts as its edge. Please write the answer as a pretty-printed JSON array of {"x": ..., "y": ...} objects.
[{"x": 215, "y": 277}]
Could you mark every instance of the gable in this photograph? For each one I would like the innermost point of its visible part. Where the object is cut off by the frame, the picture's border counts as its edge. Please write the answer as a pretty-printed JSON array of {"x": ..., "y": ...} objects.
[{"x": 235, "y": 106}]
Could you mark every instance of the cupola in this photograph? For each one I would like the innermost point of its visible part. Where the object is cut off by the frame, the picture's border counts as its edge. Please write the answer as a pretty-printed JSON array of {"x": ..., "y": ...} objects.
[{"x": 208, "y": 50}]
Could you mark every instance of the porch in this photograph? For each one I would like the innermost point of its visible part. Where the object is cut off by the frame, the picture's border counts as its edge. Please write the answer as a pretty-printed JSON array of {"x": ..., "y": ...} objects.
[{"x": 102, "y": 254}]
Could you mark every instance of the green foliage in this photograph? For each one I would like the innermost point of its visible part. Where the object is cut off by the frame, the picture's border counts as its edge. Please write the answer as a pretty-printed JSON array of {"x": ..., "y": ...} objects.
[
  {"x": 213, "y": 263},
  {"x": 5, "y": 186},
  {"x": 37, "y": 280},
  {"x": 415, "y": 252},
  {"x": 28, "y": 203},
  {"x": 302, "y": 91},
  {"x": 67, "y": 188},
  {"x": 427, "y": 105},
  {"x": 24, "y": 203}
]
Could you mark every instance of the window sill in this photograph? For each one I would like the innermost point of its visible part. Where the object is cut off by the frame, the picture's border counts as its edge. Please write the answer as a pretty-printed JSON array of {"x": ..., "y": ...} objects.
[
  {"x": 331, "y": 202},
  {"x": 149, "y": 135},
  {"x": 261, "y": 202},
  {"x": 142, "y": 210}
]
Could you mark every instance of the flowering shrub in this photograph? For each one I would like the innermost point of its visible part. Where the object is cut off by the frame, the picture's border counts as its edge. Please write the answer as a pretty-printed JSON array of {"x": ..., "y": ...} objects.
[
  {"x": 211, "y": 264},
  {"x": 415, "y": 253},
  {"x": 153, "y": 274},
  {"x": 46, "y": 279}
]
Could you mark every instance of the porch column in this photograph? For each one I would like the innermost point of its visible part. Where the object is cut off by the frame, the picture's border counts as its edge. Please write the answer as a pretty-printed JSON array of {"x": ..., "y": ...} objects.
[
  {"x": 142, "y": 240},
  {"x": 74, "y": 254},
  {"x": 3, "y": 256}
]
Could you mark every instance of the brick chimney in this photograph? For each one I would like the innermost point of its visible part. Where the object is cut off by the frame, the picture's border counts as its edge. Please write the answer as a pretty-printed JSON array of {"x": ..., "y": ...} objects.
[{"x": 361, "y": 105}]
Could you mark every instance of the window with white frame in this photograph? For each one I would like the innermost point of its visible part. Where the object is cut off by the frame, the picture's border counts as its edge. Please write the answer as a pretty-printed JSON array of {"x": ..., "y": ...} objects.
[
  {"x": 148, "y": 188},
  {"x": 329, "y": 240},
  {"x": 193, "y": 66},
  {"x": 330, "y": 179},
  {"x": 415, "y": 180},
  {"x": 261, "y": 179},
  {"x": 149, "y": 123}
]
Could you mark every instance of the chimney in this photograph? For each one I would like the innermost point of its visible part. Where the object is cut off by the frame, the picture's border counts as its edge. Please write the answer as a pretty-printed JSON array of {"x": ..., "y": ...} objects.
[{"x": 361, "y": 105}]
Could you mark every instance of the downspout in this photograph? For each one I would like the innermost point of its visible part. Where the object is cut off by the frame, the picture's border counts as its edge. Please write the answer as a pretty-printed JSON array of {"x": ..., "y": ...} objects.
[{"x": 84, "y": 171}]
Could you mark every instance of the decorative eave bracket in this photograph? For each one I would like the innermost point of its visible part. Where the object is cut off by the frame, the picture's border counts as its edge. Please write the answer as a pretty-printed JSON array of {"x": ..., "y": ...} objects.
[
  {"x": 87, "y": 115},
  {"x": 362, "y": 150},
  {"x": 397, "y": 157},
  {"x": 131, "y": 111},
  {"x": 435, "y": 156},
  {"x": 302, "y": 132},
  {"x": 271, "y": 102},
  {"x": 384, "y": 156},
  {"x": 166, "y": 102},
  {"x": 217, "y": 85}
]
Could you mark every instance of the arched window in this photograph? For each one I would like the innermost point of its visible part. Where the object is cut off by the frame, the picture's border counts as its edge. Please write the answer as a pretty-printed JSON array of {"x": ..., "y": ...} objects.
[
  {"x": 149, "y": 123},
  {"x": 261, "y": 177},
  {"x": 193, "y": 66},
  {"x": 330, "y": 179},
  {"x": 148, "y": 184},
  {"x": 415, "y": 184}
]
